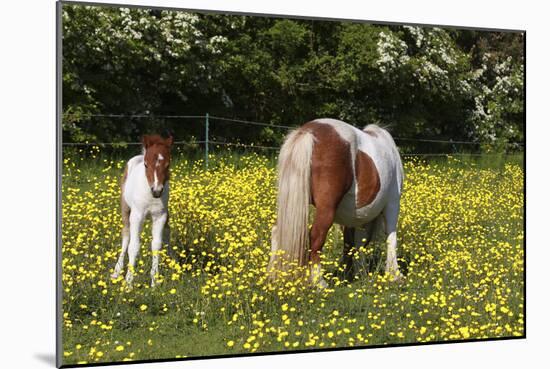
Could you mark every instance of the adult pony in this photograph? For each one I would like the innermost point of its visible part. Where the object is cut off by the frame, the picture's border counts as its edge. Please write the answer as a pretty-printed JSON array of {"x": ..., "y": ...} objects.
[
  {"x": 144, "y": 191},
  {"x": 353, "y": 178}
]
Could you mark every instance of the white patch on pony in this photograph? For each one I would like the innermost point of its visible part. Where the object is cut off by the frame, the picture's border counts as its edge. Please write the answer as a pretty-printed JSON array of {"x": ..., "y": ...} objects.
[
  {"x": 386, "y": 159},
  {"x": 156, "y": 181},
  {"x": 159, "y": 159}
]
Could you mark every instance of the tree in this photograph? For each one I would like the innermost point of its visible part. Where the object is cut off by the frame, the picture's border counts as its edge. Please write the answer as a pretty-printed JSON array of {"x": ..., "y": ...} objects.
[{"x": 421, "y": 81}]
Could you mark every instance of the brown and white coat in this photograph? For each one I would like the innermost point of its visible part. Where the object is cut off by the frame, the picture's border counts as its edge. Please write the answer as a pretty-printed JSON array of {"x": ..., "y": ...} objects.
[
  {"x": 351, "y": 176},
  {"x": 144, "y": 191}
]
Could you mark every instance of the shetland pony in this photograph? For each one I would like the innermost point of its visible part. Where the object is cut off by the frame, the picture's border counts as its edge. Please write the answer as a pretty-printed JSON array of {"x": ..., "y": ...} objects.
[
  {"x": 144, "y": 191},
  {"x": 353, "y": 178}
]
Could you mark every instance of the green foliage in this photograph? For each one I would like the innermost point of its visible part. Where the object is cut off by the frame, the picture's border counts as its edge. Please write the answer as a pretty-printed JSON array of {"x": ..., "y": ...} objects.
[{"x": 422, "y": 82}]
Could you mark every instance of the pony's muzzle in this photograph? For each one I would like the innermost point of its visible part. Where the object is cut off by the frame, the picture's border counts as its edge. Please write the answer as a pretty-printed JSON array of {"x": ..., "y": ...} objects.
[{"x": 157, "y": 192}]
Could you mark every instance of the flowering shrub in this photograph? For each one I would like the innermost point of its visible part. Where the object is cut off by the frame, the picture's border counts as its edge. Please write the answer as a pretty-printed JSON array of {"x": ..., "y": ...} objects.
[
  {"x": 423, "y": 81},
  {"x": 499, "y": 100}
]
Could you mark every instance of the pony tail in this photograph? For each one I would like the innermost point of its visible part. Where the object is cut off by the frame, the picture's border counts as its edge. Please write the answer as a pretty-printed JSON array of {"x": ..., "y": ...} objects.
[{"x": 291, "y": 231}]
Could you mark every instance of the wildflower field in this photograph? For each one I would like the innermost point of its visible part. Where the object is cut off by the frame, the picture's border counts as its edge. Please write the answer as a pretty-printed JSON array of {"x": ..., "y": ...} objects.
[{"x": 461, "y": 235}]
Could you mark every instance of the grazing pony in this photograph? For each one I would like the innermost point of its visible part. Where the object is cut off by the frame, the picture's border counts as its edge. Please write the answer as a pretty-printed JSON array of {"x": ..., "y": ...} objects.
[
  {"x": 145, "y": 191},
  {"x": 353, "y": 178}
]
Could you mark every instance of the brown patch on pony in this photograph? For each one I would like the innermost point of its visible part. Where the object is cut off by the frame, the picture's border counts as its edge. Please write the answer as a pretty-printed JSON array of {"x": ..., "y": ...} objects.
[
  {"x": 331, "y": 167},
  {"x": 331, "y": 178},
  {"x": 150, "y": 140},
  {"x": 368, "y": 180}
]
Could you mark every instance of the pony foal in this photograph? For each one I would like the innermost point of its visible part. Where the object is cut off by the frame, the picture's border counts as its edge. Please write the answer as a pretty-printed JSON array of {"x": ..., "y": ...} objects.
[{"x": 144, "y": 191}]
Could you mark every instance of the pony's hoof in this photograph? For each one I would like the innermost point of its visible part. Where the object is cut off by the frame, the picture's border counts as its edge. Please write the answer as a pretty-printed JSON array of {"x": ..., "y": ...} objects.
[
  {"x": 319, "y": 282},
  {"x": 129, "y": 283},
  {"x": 316, "y": 277},
  {"x": 115, "y": 275},
  {"x": 397, "y": 277},
  {"x": 129, "y": 286},
  {"x": 322, "y": 284}
]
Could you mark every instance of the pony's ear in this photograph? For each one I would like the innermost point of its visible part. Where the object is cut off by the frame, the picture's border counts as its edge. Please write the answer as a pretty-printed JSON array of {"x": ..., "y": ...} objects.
[
  {"x": 169, "y": 140},
  {"x": 146, "y": 140}
]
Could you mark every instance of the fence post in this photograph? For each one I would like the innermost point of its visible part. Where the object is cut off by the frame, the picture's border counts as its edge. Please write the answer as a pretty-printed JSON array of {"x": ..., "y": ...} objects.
[{"x": 206, "y": 141}]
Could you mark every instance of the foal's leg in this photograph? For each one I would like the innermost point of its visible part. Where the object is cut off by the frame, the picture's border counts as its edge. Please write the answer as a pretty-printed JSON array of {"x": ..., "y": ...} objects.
[
  {"x": 159, "y": 220},
  {"x": 391, "y": 213},
  {"x": 125, "y": 211},
  {"x": 136, "y": 222},
  {"x": 166, "y": 237}
]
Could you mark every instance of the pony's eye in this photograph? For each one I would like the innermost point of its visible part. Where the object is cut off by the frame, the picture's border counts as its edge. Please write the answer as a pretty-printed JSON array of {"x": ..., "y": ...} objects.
[{"x": 145, "y": 163}]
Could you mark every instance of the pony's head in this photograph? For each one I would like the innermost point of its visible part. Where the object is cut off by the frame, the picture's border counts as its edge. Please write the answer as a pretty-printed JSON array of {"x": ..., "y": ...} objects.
[{"x": 156, "y": 153}]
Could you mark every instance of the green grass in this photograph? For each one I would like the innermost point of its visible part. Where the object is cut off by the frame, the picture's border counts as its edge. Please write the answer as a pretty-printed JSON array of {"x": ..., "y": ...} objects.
[{"x": 460, "y": 248}]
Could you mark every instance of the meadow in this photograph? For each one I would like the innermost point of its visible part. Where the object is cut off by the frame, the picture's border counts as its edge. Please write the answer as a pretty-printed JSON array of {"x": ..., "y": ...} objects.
[{"x": 461, "y": 249}]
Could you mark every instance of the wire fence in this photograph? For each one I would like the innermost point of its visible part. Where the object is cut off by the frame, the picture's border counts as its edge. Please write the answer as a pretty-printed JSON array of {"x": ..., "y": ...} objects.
[{"x": 207, "y": 142}]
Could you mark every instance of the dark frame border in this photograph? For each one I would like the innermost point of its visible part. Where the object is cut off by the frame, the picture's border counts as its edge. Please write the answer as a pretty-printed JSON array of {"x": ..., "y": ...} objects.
[{"x": 59, "y": 168}]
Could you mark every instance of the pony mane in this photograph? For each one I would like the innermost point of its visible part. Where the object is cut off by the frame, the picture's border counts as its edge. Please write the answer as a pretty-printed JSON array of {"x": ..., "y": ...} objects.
[
  {"x": 156, "y": 140},
  {"x": 376, "y": 128},
  {"x": 152, "y": 140}
]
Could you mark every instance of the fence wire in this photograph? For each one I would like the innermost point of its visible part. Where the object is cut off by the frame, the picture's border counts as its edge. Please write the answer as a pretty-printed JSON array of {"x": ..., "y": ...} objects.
[{"x": 208, "y": 118}]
